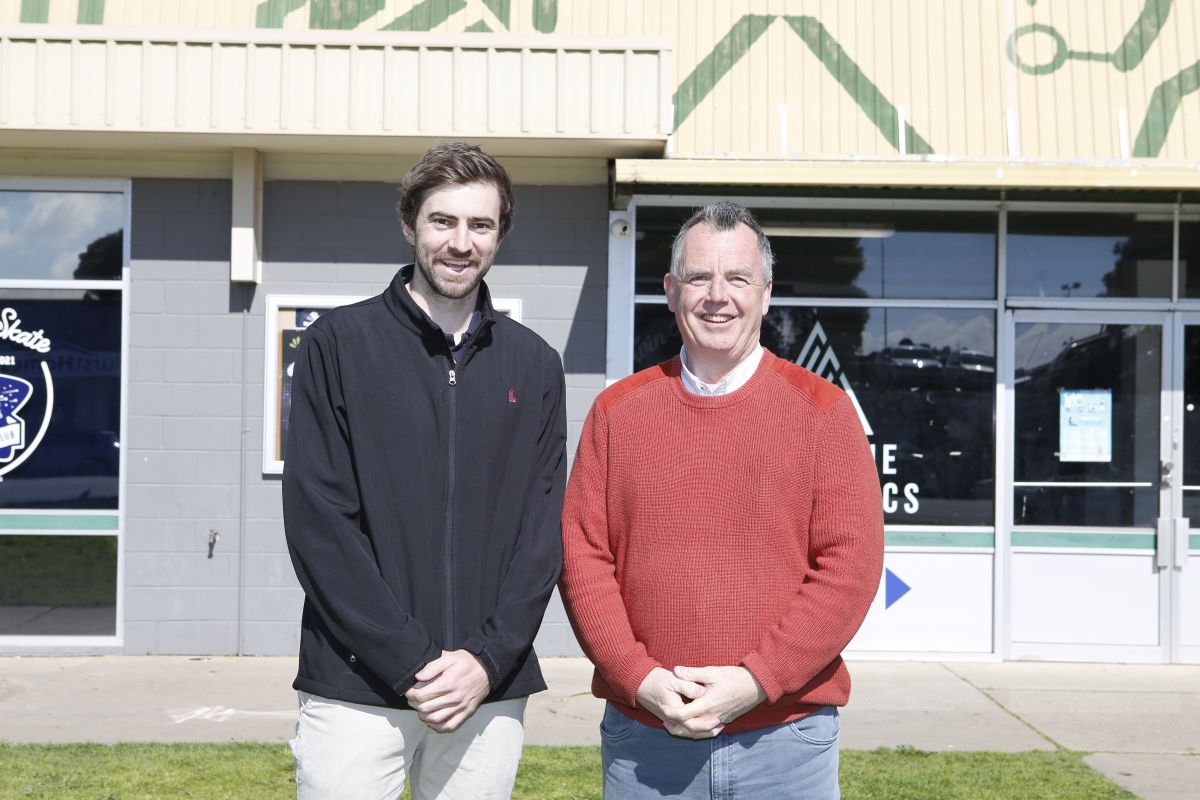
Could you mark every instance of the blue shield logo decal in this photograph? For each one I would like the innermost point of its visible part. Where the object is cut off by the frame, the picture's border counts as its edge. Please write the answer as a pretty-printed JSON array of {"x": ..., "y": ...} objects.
[{"x": 14, "y": 393}]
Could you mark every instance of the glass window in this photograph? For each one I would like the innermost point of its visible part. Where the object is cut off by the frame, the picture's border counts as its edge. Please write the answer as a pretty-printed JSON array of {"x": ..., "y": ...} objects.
[
  {"x": 924, "y": 384},
  {"x": 58, "y": 585},
  {"x": 1089, "y": 255},
  {"x": 1189, "y": 256},
  {"x": 1098, "y": 465},
  {"x": 1191, "y": 424},
  {"x": 62, "y": 235},
  {"x": 60, "y": 399},
  {"x": 864, "y": 254}
]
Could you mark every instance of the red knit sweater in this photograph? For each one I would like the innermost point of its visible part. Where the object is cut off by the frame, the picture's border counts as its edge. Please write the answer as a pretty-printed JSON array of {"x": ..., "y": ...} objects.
[{"x": 705, "y": 531}]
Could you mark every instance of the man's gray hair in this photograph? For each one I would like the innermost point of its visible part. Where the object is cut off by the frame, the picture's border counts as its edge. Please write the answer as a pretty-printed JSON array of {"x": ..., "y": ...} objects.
[{"x": 723, "y": 216}]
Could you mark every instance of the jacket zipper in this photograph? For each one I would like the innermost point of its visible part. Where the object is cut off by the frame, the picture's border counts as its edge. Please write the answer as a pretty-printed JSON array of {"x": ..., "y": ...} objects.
[{"x": 448, "y": 545}]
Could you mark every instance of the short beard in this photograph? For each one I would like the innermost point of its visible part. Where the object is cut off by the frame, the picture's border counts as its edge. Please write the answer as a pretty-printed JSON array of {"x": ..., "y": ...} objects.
[{"x": 452, "y": 291}]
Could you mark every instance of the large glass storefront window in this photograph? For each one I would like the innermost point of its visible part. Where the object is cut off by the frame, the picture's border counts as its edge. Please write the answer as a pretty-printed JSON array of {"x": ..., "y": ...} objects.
[
  {"x": 60, "y": 392},
  {"x": 61, "y": 386},
  {"x": 922, "y": 376},
  {"x": 863, "y": 254},
  {"x": 1189, "y": 256},
  {"x": 1089, "y": 255},
  {"x": 58, "y": 235}
]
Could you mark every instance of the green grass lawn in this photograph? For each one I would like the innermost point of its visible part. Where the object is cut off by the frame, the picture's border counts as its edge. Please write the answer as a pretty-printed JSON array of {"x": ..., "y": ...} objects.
[{"x": 264, "y": 772}]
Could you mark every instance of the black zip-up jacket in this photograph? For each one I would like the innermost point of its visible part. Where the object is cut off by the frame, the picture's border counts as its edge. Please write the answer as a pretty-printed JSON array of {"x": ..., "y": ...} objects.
[{"x": 421, "y": 498}]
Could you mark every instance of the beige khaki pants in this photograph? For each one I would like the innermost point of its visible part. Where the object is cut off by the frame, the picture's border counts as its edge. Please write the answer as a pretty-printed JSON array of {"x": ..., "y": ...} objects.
[{"x": 357, "y": 752}]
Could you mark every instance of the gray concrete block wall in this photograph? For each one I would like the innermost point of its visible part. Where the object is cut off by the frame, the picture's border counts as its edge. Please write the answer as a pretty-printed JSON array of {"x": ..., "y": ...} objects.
[{"x": 195, "y": 463}]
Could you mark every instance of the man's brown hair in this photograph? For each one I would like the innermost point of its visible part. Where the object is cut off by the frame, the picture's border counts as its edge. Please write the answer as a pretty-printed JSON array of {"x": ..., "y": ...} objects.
[{"x": 454, "y": 163}]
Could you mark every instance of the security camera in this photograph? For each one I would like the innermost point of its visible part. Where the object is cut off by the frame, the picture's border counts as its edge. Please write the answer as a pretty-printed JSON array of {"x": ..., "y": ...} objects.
[{"x": 620, "y": 228}]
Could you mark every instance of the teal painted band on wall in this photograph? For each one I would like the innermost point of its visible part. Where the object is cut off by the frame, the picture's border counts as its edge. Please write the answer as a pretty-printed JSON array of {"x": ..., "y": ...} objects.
[
  {"x": 1194, "y": 542},
  {"x": 1108, "y": 541},
  {"x": 939, "y": 539},
  {"x": 59, "y": 522}
]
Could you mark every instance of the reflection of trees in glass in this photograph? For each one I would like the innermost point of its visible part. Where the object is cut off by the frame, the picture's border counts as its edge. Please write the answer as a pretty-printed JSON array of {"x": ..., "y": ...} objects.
[
  {"x": 1133, "y": 273},
  {"x": 101, "y": 260}
]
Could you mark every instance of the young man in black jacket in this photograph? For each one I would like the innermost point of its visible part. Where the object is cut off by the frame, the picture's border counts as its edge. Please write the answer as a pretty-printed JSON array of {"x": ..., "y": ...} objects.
[{"x": 422, "y": 490}]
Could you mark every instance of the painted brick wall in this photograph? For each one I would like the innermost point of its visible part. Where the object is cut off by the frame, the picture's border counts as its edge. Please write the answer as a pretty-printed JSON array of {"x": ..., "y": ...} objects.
[{"x": 196, "y": 364}]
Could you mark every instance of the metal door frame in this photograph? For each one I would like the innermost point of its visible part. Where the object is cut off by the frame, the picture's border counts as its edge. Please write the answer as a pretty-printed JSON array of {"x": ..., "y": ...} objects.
[{"x": 1170, "y": 452}]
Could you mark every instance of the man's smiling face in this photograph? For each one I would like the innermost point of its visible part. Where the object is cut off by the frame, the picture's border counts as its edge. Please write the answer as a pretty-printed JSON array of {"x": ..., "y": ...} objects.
[
  {"x": 455, "y": 238},
  {"x": 719, "y": 298}
]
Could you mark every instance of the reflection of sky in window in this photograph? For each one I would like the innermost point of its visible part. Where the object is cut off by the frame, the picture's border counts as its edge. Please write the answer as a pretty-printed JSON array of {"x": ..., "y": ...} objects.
[
  {"x": 956, "y": 329},
  {"x": 1039, "y": 266},
  {"x": 1040, "y": 343},
  {"x": 43, "y": 233},
  {"x": 924, "y": 264}
]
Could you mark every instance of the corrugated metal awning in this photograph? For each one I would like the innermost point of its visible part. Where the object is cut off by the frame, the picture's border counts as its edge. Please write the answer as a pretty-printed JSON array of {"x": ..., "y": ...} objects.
[
  {"x": 637, "y": 175},
  {"x": 333, "y": 91}
]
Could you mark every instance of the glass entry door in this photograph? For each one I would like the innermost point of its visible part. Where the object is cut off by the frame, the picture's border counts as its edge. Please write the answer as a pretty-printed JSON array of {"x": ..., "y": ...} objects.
[
  {"x": 1185, "y": 555},
  {"x": 1093, "y": 470}
]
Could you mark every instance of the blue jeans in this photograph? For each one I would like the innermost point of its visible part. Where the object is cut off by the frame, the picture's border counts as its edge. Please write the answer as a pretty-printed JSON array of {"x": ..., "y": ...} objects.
[{"x": 795, "y": 760}]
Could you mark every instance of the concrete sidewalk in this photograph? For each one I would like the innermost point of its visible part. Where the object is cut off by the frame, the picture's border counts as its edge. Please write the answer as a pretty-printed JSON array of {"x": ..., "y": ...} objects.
[{"x": 1141, "y": 724}]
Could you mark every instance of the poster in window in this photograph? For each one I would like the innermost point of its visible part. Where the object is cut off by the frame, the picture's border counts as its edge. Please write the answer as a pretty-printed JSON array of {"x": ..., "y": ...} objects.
[
  {"x": 1085, "y": 425},
  {"x": 288, "y": 316},
  {"x": 60, "y": 399}
]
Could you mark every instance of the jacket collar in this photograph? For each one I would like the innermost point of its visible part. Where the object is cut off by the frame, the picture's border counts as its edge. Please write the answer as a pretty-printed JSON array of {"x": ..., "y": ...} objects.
[{"x": 413, "y": 317}]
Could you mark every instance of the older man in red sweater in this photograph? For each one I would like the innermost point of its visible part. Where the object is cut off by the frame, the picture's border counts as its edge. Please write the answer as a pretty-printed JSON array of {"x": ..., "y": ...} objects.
[{"x": 723, "y": 538}]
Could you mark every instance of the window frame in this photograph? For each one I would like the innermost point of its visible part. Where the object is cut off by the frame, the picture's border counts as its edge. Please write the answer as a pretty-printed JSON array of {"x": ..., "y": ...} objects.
[{"x": 17, "y": 644}]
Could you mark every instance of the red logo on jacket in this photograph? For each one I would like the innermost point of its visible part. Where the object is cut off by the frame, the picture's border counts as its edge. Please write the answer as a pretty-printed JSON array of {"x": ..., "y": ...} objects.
[{"x": 512, "y": 397}]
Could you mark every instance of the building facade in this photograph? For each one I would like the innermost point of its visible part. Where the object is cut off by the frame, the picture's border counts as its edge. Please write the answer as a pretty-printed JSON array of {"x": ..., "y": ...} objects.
[{"x": 986, "y": 216}]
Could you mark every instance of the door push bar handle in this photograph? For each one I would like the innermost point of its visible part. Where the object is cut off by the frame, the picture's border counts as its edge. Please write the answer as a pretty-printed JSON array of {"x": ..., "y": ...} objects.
[{"x": 1171, "y": 543}]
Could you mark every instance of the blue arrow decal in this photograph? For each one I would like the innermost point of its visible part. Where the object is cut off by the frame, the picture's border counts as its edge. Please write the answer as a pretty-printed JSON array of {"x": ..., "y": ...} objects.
[{"x": 894, "y": 588}]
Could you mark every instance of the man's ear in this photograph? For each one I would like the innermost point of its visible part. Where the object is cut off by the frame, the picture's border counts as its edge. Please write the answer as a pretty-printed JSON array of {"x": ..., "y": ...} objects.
[
  {"x": 669, "y": 291},
  {"x": 409, "y": 236}
]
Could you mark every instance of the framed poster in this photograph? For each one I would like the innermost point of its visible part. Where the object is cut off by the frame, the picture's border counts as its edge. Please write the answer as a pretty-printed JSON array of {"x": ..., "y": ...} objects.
[
  {"x": 1085, "y": 425},
  {"x": 287, "y": 317}
]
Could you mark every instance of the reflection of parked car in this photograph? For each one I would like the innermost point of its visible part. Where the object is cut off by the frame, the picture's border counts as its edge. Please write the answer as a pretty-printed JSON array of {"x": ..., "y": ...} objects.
[
  {"x": 913, "y": 364},
  {"x": 970, "y": 369},
  {"x": 971, "y": 360}
]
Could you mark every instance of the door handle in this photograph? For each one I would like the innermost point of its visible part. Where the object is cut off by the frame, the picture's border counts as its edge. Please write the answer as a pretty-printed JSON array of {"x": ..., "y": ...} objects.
[{"x": 1165, "y": 470}]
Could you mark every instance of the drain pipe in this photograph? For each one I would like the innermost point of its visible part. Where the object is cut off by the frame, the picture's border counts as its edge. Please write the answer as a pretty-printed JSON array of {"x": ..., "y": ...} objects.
[{"x": 247, "y": 292}]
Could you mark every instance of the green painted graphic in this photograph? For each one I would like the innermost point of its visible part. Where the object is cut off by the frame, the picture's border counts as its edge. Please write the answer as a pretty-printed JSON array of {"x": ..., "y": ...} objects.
[
  {"x": 1141, "y": 36},
  {"x": 500, "y": 8},
  {"x": 1160, "y": 113},
  {"x": 350, "y": 14},
  {"x": 746, "y": 31},
  {"x": 426, "y": 15},
  {"x": 342, "y": 15},
  {"x": 868, "y": 97},
  {"x": 727, "y": 52},
  {"x": 270, "y": 13},
  {"x": 35, "y": 10},
  {"x": 545, "y": 15},
  {"x": 90, "y": 12}
]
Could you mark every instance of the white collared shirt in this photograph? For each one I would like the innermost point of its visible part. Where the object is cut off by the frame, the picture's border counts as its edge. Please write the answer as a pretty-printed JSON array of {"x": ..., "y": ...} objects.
[{"x": 735, "y": 380}]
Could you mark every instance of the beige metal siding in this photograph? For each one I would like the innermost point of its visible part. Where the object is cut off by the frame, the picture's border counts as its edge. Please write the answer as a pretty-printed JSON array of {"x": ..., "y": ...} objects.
[
  {"x": 75, "y": 79},
  {"x": 808, "y": 78}
]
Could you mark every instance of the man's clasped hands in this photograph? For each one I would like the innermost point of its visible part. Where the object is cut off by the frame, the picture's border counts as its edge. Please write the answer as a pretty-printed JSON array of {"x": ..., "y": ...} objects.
[{"x": 698, "y": 702}]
